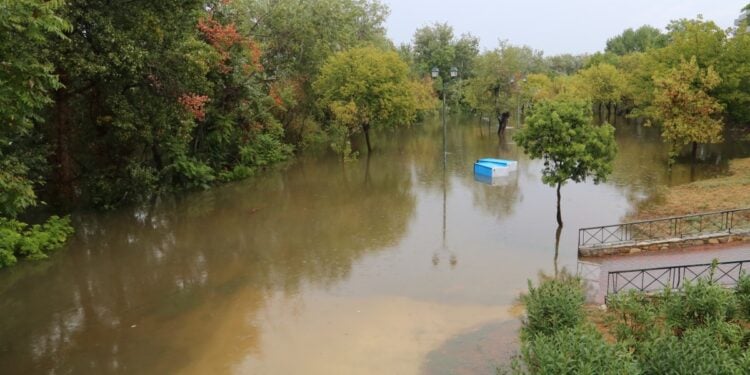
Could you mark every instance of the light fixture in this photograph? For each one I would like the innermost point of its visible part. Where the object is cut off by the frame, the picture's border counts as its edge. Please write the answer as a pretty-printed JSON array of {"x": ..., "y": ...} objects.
[{"x": 435, "y": 72}]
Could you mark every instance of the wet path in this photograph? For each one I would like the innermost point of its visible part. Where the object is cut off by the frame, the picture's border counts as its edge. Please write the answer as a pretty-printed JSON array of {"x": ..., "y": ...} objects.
[{"x": 595, "y": 270}]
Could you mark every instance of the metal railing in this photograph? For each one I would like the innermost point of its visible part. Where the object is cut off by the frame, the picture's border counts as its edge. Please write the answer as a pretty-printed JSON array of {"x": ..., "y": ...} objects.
[
  {"x": 687, "y": 226},
  {"x": 675, "y": 277}
]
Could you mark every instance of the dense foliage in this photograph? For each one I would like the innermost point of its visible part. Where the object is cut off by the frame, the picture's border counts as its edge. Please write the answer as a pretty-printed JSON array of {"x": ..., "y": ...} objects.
[
  {"x": 365, "y": 87},
  {"x": 105, "y": 103},
  {"x": 28, "y": 29},
  {"x": 701, "y": 330},
  {"x": 691, "y": 79},
  {"x": 556, "y": 339},
  {"x": 554, "y": 305}
]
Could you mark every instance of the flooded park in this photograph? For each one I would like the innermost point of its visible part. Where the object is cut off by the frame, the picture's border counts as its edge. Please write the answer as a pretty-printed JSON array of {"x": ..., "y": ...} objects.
[{"x": 387, "y": 264}]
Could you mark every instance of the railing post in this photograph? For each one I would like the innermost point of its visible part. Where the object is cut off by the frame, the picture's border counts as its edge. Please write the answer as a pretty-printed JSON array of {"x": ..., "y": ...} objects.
[{"x": 731, "y": 221}]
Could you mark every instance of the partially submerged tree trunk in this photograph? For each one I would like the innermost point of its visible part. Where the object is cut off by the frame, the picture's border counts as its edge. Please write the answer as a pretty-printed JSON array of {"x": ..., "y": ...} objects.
[
  {"x": 695, "y": 151},
  {"x": 502, "y": 122},
  {"x": 559, "y": 214},
  {"x": 366, "y": 129}
]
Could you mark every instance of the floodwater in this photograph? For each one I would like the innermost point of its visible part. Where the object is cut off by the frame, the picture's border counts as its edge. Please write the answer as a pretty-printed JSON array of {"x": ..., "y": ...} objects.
[{"x": 386, "y": 265}]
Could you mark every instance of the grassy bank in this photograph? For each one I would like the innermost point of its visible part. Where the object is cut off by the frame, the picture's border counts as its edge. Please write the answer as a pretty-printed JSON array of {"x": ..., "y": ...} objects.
[{"x": 721, "y": 193}]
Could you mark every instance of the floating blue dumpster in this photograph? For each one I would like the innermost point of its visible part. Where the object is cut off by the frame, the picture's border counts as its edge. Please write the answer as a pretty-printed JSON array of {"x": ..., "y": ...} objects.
[
  {"x": 511, "y": 164},
  {"x": 489, "y": 167}
]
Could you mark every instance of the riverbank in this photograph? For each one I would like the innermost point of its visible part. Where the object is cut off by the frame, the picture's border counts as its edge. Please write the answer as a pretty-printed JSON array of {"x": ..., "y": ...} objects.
[{"x": 715, "y": 194}]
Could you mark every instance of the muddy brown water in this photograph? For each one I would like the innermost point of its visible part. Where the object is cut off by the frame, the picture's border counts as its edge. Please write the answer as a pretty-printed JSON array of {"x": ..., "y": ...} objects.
[{"x": 389, "y": 265}]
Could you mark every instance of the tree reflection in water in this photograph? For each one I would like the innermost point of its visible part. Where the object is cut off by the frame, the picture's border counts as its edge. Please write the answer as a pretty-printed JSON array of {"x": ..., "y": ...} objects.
[{"x": 143, "y": 290}]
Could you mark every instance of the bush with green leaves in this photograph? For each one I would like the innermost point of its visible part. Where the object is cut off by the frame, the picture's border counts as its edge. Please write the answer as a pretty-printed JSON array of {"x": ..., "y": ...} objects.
[
  {"x": 712, "y": 349},
  {"x": 19, "y": 240},
  {"x": 636, "y": 316},
  {"x": 700, "y": 303},
  {"x": 553, "y": 305},
  {"x": 576, "y": 350},
  {"x": 742, "y": 294},
  {"x": 696, "y": 330}
]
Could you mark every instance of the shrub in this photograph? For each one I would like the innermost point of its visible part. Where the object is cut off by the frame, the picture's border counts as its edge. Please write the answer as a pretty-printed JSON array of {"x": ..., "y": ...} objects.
[
  {"x": 191, "y": 173},
  {"x": 554, "y": 305},
  {"x": 576, "y": 350},
  {"x": 635, "y": 317},
  {"x": 742, "y": 294},
  {"x": 700, "y": 303},
  {"x": 17, "y": 239},
  {"x": 266, "y": 150},
  {"x": 699, "y": 351}
]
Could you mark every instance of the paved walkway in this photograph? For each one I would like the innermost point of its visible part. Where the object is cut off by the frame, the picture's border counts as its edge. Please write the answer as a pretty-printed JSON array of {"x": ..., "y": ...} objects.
[{"x": 594, "y": 270}]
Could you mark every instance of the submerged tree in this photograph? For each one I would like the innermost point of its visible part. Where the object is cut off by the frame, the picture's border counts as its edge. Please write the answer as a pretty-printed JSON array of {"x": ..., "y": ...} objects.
[
  {"x": 366, "y": 87},
  {"x": 683, "y": 106},
  {"x": 563, "y": 134}
]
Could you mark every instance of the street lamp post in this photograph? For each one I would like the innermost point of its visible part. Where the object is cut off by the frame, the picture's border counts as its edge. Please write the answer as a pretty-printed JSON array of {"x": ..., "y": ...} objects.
[{"x": 453, "y": 74}]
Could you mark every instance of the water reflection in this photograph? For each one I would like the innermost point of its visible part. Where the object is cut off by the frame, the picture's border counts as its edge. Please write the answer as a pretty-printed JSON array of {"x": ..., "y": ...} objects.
[
  {"x": 138, "y": 291},
  {"x": 361, "y": 267}
]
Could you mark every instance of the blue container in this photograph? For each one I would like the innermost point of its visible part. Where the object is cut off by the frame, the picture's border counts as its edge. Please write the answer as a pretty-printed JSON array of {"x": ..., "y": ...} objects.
[
  {"x": 490, "y": 169},
  {"x": 512, "y": 164}
]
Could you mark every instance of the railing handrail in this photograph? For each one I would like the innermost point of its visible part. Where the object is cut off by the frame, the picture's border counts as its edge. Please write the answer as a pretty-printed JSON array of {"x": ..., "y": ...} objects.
[
  {"x": 668, "y": 218},
  {"x": 681, "y": 226},
  {"x": 630, "y": 278},
  {"x": 680, "y": 266}
]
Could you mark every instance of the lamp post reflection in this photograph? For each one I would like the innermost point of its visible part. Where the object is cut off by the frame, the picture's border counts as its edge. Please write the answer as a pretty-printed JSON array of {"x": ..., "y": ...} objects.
[{"x": 436, "y": 257}]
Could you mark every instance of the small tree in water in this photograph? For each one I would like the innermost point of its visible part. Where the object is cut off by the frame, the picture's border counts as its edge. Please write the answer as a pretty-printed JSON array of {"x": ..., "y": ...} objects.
[{"x": 563, "y": 134}]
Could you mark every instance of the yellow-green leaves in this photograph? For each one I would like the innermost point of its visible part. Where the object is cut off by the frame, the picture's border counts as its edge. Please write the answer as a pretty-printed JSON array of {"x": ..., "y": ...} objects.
[
  {"x": 365, "y": 87},
  {"x": 603, "y": 83},
  {"x": 685, "y": 109}
]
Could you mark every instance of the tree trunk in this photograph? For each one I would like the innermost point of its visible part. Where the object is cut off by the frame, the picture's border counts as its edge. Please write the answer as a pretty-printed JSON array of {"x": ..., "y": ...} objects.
[
  {"x": 63, "y": 162},
  {"x": 557, "y": 247},
  {"x": 559, "y": 214},
  {"x": 695, "y": 151},
  {"x": 366, "y": 129},
  {"x": 502, "y": 122}
]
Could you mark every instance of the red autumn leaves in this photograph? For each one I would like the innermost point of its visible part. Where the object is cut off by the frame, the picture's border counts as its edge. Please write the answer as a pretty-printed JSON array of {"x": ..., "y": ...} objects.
[{"x": 226, "y": 40}]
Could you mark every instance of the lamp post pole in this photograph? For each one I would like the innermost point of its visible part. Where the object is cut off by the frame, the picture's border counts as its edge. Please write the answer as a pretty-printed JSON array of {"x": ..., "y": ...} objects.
[{"x": 453, "y": 74}]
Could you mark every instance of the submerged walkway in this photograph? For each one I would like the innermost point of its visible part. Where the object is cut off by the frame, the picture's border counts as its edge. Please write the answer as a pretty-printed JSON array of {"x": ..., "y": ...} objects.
[{"x": 595, "y": 270}]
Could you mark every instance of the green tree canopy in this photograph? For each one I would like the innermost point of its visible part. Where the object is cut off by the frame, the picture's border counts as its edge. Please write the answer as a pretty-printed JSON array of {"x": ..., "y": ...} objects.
[
  {"x": 693, "y": 37},
  {"x": 27, "y": 30},
  {"x": 436, "y": 46},
  {"x": 683, "y": 106},
  {"x": 561, "y": 132},
  {"x": 603, "y": 83},
  {"x": 498, "y": 76},
  {"x": 367, "y": 87},
  {"x": 297, "y": 37},
  {"x": 641, "y": 39}
]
